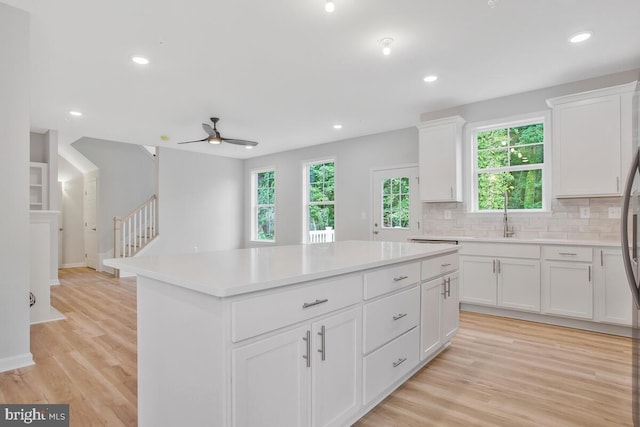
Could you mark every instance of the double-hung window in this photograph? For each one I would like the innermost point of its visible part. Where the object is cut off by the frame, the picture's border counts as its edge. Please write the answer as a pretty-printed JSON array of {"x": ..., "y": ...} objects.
[
  {"x": 509, "y": 157},
  {"x": 319, "y": 202},
  {"x": 264, "y": 205}
]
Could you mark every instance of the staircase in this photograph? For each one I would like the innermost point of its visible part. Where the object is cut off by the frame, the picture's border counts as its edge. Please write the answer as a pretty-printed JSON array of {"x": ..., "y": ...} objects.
[{"x": 133, "y": 232}]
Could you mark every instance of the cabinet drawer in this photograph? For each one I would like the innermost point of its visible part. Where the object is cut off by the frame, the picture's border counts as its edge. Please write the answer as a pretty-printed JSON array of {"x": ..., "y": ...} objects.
[
  {"x": 264, "y": 313},
  {"x": 390, "y": 317},
  {"x": 568, "y": 253},
  {"x": 440, "y": 265},
  {"x": 387, "y": 365},
  {"x": 500, "y": 250},
  {"x": 390, "y": 279}
]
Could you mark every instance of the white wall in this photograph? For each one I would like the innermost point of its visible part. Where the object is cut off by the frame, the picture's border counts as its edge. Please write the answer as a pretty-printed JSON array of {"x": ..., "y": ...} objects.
[
  {"x": 355, "y": 158},
  {"x": 72, "y": 214},
  {"x": 128, "y": 177},
  {"x": 14, "y": 197},
  {"x": 200, "y": 202}
]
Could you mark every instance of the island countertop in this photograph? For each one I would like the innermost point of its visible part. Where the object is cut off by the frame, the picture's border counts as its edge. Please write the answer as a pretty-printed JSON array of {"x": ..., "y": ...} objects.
[{"x": 240, "y": 271}]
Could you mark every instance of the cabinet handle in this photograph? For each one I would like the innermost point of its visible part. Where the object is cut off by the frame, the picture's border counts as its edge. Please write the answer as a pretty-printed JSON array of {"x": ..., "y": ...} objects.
[
  {"x": 399, "y": 362},
  {"x": 498, "y": 262},
  {"x": 601, "y": 258},
  {"x": 589, "y": 273},
  {"x": 617, "y": 183},
  {"x": 399, "y": 316},
  {"x": 567, "y": 253},
  {"x": 316, "y": 302},
  {"x": 307, "y": 338},
  {"x": 445, "y": 264},
  {"x": 494, "y": 265},
  {"x": 444, "y": 288},
  {"x": 451, "y": 190},
  {"x": 323, "y": 349},
  {"x": 399, "y": 278},
  {"x": 449, "y": 287}
]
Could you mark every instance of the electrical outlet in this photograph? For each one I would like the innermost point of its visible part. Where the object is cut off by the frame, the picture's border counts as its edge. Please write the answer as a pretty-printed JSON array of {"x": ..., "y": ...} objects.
[
  {"x": 585, "y": 212},
  {"x": 447, "y": 214},
  {"x": 615, "y": 212}
]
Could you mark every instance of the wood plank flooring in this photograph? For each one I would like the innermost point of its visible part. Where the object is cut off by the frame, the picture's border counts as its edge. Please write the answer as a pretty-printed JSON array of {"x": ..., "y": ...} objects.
[{"x": 497, "y": 372}]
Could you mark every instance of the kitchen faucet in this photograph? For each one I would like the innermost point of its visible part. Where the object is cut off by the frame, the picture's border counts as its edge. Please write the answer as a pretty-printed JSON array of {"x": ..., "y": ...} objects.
[{"x": 508, "y": 230}]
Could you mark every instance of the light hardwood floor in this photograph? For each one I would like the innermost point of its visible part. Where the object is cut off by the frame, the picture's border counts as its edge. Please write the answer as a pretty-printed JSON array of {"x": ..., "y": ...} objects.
[{"x": 497, "y": 372}]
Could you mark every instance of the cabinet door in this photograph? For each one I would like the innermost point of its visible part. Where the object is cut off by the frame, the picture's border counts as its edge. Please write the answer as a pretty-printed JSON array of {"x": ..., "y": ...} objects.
[
  {"x": 478, "y": 280},
  {"x": 615, "y": 300},
  {"x": 271, "y": 382},
  {"x": 430, "y": 325},
  {"x": 440, "y": 160},
  {"x": 450, "y": 308},
  {"x": 336, "y": 368},
  {"x": 519, "y": 284},
  {"x": 567, "y": 289},
  {"x": 592, "y": 129}
]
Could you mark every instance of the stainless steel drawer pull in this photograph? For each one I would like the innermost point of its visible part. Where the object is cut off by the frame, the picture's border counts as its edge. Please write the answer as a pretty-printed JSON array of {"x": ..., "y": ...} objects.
[
  {"x": 399, "y": 316},
  {"x": 399, "y": 362},
  {"x": 316, "y": 302},
  {"x": 445, "y": 264},
  {"x": 323, "y": 349},
  {"x": 307, "y": 356},
  {"x": 399, "y": 278},
  {"x": 567, "y": 253}
]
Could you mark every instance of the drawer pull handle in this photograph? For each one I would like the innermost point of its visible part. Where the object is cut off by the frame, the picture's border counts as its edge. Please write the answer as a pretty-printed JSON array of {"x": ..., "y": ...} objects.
[
  {"x": 399, "y": 362},
  {"x": 445, "y": 264},
  {"x": 568, "y": 253},
  {"x": 399, "y": 316},
  {"x": 323, "y": 344},
  {"x": 316, "y": 302},
  {"x": 307, "y": 356},
  {"x": 399, "y": 278}
]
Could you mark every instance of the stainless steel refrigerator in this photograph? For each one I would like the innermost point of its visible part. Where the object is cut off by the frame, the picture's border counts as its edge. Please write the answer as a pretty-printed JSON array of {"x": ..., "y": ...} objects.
[{"x": 629, "y": 240}]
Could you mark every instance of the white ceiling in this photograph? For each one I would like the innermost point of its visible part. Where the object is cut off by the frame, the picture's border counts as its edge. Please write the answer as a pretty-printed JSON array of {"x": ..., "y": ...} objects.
[{"x": 282, "y": 72}]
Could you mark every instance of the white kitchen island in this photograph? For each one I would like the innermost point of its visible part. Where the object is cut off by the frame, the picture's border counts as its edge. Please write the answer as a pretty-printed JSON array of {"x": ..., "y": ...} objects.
[{"x": 302, "y": 335}]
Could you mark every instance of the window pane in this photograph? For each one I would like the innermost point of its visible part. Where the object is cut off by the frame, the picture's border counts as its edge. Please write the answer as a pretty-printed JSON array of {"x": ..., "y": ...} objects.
[
  {"x": 492, "y": 139},
  {"x": 321, "y": 182},
  {"x": 266, "y": 188},
  {"x": 321, "y": 217},
  {"x": 524, "y": 188},
  {"x": 529, "y": 134},
  {"x": 493, "y": 158},
  {"x": 395, "y": 205},
  {"x": 266, "y": 223},
  {"x": 526, "y": 155}
]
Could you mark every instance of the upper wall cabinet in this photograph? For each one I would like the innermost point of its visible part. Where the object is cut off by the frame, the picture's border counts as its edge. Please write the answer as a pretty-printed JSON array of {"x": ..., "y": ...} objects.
[
  {"x": 440, "y": 157},
  {"x": 591, "y": 141}
]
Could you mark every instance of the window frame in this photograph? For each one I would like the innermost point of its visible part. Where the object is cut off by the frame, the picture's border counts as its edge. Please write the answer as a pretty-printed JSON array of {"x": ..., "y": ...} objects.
[
  {"x": 472, "y": 130},
  {"x": 255, "y": 206},
  {"x": 306, "y": 185}
]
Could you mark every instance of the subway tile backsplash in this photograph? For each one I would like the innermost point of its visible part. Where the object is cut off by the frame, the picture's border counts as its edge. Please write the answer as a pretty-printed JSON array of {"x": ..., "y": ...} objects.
[{"x": 563, "y": 222}]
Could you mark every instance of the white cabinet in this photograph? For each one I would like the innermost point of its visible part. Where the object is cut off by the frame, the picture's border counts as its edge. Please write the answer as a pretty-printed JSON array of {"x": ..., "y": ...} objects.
[
  {"x": 567, "y": 285},
  {"x": 592, "y": 134},
  {"x": 440, "y": 159},
  {"x": 276, "y": 379},
  {"x": 440, "y": 313},
  {"x": 613, "y": 297},
  {"x": 503, "y": 282},
  {"x": 450, "y": 307},
  {"x": 38, "y": 186}
]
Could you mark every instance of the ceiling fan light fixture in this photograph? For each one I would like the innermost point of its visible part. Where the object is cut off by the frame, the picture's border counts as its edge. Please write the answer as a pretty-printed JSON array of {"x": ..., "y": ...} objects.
[
  {"x": 214, "y": 141},
  {"x": 329, "y": 6}
]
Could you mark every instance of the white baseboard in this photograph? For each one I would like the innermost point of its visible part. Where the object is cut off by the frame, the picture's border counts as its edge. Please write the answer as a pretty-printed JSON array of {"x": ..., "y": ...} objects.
[
  {"x": 15, "y": 362},
  {"x": 54, "y": 282},
  {"x": 74, "y": 265}
]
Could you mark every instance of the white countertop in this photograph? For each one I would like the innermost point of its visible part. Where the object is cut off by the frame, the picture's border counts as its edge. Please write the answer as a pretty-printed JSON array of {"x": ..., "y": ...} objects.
[
  {"x": 236, "y": 272},
  {"x": 516, "y": 240}
]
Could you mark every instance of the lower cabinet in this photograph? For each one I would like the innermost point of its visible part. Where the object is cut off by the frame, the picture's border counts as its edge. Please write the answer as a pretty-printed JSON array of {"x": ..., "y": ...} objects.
[
  {"x": 310, "y": 373},
  {"x": 440, "y": 313},
  {"x": 567, "y": 289},
  {"x": 613, "y": 297}
]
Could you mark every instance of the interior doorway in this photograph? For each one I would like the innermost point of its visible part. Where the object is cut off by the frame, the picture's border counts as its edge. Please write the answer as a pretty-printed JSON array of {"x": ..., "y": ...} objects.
[{"x": 90, "y": 219}]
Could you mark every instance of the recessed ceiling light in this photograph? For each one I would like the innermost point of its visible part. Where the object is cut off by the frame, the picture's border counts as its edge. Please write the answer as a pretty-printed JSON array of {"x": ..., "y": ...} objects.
[
  {"x": 75, "y": 113},
  {"x": 140, "y": 60},
  {"x": 580, "y": 37},
  {"x": 329, "y": 6},
  {"x": 430, "y": 79},
  {"x": 337, "y": 126},
  {"x": 386, "y": 45}
]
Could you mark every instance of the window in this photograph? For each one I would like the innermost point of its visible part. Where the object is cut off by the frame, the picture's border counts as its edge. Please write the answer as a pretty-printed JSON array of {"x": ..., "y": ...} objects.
[
  {"x": 395, "y": 203},
  {"x": 319, "y": 197},
  {"x": 264, "y": 205},
  {"x": 509, "y": 157}
]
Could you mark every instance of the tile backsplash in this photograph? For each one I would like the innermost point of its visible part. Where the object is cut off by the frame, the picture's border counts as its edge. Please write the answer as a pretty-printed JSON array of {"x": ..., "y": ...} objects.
[{"x": 565, "y": 221}]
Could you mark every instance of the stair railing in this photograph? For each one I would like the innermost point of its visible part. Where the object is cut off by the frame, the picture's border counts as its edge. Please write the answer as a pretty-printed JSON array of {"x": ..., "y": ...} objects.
[{"x": 133, "y": 232}]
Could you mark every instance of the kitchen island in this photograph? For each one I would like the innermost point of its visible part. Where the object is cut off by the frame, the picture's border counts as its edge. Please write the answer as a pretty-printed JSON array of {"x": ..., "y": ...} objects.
[{"x": 295, "y": 335}]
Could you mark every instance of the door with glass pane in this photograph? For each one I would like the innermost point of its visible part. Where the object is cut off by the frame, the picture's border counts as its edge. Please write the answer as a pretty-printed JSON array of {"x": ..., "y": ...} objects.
[{"x": 396, "y": 204}]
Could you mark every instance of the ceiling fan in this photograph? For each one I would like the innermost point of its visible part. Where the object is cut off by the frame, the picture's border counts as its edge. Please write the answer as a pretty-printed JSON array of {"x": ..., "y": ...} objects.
[{"x": 216, "y": 138}]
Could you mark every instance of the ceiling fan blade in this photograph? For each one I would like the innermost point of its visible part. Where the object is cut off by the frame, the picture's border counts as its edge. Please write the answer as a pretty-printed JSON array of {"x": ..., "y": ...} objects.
[
  {"x": 189, "y": 142},
  {"x": 208, "y": 129},
  {"x": 240, "y": 142}
]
